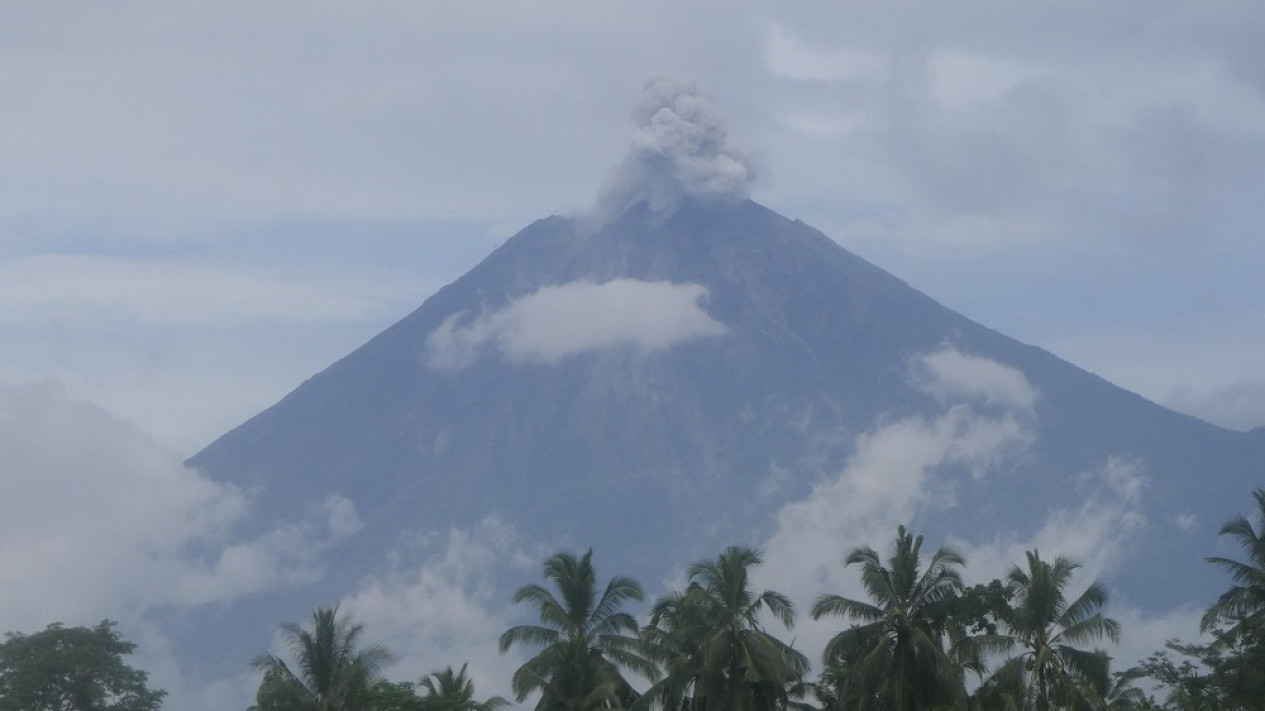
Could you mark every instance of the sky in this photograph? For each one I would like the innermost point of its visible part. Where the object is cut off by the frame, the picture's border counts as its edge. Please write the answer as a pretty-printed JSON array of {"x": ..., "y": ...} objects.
[{"x": 203, "y": 204}]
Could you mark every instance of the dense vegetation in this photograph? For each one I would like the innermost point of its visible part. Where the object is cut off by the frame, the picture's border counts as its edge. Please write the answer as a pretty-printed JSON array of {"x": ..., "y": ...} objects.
[{"x": 920, "y": 641}]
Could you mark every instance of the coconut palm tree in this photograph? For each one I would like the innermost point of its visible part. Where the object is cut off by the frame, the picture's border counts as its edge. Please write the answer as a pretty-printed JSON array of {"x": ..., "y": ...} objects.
[
  {"x": 713, "y": 646},
  {"x": 1243, "y": 605},
  {"x": 330, "y": 674},
  {"x": 1046, "y": 627},
  {"x": 584, "y": 639},
  {"x": 447, "y": 690},
  {"x": 896, "y": 657}
]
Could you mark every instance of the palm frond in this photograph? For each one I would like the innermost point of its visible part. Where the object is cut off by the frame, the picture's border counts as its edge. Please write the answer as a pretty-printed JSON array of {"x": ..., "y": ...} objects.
[{"x": 839, "y": 606}]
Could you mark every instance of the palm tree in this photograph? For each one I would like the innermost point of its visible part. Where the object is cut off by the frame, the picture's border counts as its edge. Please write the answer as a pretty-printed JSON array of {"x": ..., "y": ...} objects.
[
  {"x": 1045, "y": 625},
  {"x": 709, "y": 637},
  {"x": 1243, "y": 605},
  {"x": 896, "y": 659},
  {"x": 584, "y": 639},
  {"x": 330, "y": 674},
  {"x": 447, "y": 690}
]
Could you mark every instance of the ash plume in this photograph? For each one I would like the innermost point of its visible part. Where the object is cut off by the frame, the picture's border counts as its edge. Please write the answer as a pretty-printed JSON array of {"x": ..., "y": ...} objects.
[{"x": 679, "y": 151}]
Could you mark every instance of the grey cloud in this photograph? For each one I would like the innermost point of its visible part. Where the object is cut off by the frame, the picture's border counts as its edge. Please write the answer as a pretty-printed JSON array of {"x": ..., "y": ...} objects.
[
  {"x": 558, "y": 321},
  {"x": 680, "y": 150},
  {"x": 90, "y": 288}
]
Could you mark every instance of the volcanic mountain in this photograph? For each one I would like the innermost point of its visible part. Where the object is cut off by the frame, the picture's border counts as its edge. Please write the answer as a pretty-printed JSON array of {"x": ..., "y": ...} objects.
[
  {"x": 777, "y": 348},
  {"x": 664, "y": 384}
]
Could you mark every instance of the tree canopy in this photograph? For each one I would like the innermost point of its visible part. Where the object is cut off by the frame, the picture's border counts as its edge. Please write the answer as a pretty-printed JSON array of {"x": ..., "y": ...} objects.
[
  {"x": 331, "y": 671},
  {"x": 897, "y": 657},
  {"x": 72, "y": 669},
  {"x": 584, "y": 639},
  {"x": 713, "y": 645},
  {"x": 911, "y": 639}
]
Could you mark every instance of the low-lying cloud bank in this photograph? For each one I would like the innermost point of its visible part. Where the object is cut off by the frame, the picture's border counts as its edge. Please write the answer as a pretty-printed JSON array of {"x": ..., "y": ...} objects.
[
  {"x": 559, "y": 321},
  {"x": 98, "y": 521},
  {"x": 449, "y": 609}
]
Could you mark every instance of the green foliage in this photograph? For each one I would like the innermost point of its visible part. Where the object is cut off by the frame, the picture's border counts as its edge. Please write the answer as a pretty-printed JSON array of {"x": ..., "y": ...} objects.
[
  {"x": 896, "y": 658},
  {"x": 583, "y": 639},
  {"x": 1244, "y": 603},
  {"x": 712, "y": 645},
  {"x": 979, "y": 608},
  {"x": 1209, "y": 677},
  {"x": 393, "y": 696},
  {"x": 447, "y": 690},
  {"x": 331, "y": 673},
  {"x": 1051, "y": 670},
  {"x": 1229, "y": 672},
  {"x": 72, "y": 669}
]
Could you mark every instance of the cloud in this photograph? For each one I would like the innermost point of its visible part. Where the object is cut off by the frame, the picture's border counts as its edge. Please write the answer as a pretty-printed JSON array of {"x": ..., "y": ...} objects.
[
  {"x": 94, "y": 514},
  {"x": 1097, "y": 533},
  {"x": 1144, "y": 632},
  {"x": 896, "y": 471},
  {"x": 949, "y": 374},
  {"x": 449, "y": 609},
  {"x": 98, "y": 521},
  {"x": 679, "y": 151},
  {"x": 1239, "y": 405},
  {"x": 82, "y": 289},
  {"x": 906, "y": 469},
  {"x": 558, "y": 321}
]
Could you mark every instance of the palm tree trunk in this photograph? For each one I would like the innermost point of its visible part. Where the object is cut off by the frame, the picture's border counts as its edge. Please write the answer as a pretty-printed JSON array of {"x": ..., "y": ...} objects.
[{"x": 1043, "y": 691}]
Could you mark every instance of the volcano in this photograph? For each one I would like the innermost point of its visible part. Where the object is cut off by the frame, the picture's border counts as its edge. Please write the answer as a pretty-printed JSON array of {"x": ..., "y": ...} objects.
[{"x": 667, "y": 382}]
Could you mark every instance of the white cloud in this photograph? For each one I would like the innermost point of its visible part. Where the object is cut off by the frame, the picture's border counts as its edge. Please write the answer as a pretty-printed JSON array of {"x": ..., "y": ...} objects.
[
  {"x": 949, "y": 374},
  {"x": 94, "y": 515},
  {"x": 1097, "y": 534},
  {"x": 898, "y": 471},
  {"x": 558, "y": 321},
  {"x": 98, "y": 521},
  {"x": 894, "y": 473},
  {"x": 448, "y": 610},
  {"x": 1145, "y": 632}
]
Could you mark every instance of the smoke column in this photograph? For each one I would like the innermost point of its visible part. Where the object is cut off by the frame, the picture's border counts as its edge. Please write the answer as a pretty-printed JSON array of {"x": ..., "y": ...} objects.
[{"x": 678, "y": 152}]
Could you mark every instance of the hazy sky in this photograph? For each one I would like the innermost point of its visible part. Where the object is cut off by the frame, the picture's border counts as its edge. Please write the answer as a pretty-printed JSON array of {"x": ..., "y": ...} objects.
[{"x": 202, "y": 204}]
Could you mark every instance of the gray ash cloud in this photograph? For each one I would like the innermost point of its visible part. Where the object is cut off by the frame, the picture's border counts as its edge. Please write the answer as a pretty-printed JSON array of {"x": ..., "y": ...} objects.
[{"x": 679, "y": 151}]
